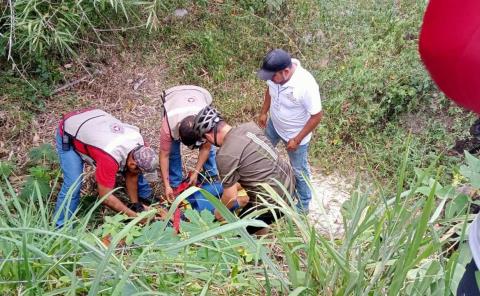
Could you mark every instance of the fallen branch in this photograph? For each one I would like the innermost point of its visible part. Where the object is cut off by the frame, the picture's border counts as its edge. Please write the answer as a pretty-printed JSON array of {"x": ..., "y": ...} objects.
[{"x": 75, "y": 82}]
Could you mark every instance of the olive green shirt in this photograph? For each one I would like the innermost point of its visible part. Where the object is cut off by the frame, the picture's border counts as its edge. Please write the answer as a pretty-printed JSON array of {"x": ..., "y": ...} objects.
[{"x": 247, "y": 157}]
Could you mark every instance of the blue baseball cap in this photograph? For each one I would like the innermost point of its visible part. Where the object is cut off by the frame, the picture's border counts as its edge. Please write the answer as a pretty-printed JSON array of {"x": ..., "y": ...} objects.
[{"x": 275, "y": 60}]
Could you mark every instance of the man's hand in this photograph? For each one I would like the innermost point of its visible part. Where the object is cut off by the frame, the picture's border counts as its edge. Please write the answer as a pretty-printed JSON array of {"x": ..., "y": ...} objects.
[
  {"x": 262, "y": 120},
  {"x": 192, "y": 180},
  {"x": 169, "y": 193},
  {"x": 218, "y": 216},
  {"x": 292, "y": 144},
  {"x": 161, "y": 213}
]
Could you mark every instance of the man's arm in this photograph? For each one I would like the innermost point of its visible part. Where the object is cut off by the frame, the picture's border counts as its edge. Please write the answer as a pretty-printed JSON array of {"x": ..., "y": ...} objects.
[
  {"x": 131, "y": 184},
  {"x": 228, "y": 198},
  {"x": 262, "y": 118},
  {"x": 164, "y": 171},
  {"x": 203, "y": 155},
  {"x": 309, "y": 127},
  {"x": 113, "y": 202}
]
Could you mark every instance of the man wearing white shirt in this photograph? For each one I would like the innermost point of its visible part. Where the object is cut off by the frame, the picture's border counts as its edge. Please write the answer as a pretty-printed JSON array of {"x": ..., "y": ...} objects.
[{"x": 293, "y": 99}]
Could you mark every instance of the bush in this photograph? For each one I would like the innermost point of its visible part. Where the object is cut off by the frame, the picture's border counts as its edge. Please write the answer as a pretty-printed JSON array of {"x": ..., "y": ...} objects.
[{"x": 34, "y": 29}]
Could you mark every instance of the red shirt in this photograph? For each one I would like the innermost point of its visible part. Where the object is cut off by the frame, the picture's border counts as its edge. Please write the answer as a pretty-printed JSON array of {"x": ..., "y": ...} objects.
[{"x": 106, "y": 166}]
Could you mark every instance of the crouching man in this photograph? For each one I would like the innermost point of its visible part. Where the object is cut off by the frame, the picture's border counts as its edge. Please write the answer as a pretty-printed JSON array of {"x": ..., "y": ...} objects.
[
  {"x": 181, "y": 103},
  {"x": 246, "y": 157},
  {"x": 98, "y": 138}
]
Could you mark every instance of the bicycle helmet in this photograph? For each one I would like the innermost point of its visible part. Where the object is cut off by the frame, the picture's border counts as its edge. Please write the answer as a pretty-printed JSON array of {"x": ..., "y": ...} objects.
[{"x": 206, "y": 120}]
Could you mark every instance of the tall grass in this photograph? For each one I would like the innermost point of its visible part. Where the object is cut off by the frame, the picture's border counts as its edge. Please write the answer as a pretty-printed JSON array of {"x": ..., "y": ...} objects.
[
  {"x": 393, "y": 245},
  {"x": 35, "y": 29},
  {"x": 38, "y": 259}
]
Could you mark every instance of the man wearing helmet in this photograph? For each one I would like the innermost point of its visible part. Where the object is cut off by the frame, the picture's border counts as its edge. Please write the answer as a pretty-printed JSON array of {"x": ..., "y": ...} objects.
[
  {"x": 98, "y": 138},
  {"x": 247, "y": 157},
  {"x": 180, "y": 104}
]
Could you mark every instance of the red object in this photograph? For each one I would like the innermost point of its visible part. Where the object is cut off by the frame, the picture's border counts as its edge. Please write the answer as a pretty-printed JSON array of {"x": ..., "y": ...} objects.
[
  {"x": 181, "y": 188},
  {"x": 450, "y": 49},
  {"x": 178, "y": 214},
  {"x": 176, "y": 220}
]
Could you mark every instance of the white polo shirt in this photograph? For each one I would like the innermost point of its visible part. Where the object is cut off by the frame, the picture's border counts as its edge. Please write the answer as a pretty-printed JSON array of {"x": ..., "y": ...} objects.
[{"x": 293, "y": 103}]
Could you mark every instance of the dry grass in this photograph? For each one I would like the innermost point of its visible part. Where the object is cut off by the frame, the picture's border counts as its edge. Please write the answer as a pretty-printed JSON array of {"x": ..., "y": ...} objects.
[{"x": 111, "y": 88}]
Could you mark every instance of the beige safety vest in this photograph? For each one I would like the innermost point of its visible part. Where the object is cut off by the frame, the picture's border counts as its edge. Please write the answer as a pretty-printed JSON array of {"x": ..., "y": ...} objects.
[
  {"x": 182, "y": 101},
  {"x": 101, "y": 130}
]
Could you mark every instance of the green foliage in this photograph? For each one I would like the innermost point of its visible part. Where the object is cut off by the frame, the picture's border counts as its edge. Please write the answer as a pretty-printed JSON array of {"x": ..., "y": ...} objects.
[
  {"x": 73, "y": 260},
  {"x": 41, "y": 172},
  {"x": 395, "y": 245},
  {"x": 392, "y": 245},
  {"x": 29, "y": 94},
  {"x": 113, "y": 225},
  {"x": 471, "y": 170},
  {"x": 44, "y": 154},
  {"x": 376, "y": 95},
  {"x": 39, "y": 179},
  {"x": 33, "y": 29},
  {"x": 6, "y": 168},
  {"x": 376, "y": 92}
]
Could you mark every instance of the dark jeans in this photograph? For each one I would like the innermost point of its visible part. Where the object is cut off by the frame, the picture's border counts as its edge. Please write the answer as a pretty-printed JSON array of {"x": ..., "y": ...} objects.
[
  {"x": 468, "y": 284},
  {"x": 267, "y": 217}
]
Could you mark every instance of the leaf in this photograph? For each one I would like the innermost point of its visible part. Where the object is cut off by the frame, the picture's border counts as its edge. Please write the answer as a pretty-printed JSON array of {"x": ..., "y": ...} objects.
[
  {"x": 39, "y": 172},
  {"x": 297, "y": 291},
  {"x": 472, "y": 162},
  {"x": 198, "y": 222},
  {"x": 471, "y": 170},
  {"x": 44, "y": 152},
  {"x": 29, "y": 188},
  {"x": 155, "y": 233},
  {"x": 457, "y": 206},
  {"x": 129, "y": 289},
  {"x": 6, "y": 168},
  {"x": 438, "y": 211},
  {"x": 217, "y": 231}
]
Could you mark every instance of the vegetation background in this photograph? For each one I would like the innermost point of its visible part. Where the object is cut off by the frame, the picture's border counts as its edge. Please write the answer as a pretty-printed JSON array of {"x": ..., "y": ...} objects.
[{"x": 385, "y": 124}]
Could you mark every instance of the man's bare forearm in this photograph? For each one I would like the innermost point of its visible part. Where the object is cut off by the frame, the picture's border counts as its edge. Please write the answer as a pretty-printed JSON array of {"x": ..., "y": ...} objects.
[
  {"x": 164, "y": 167},
  {"x": 203, "y": 155},
  {"x": 131, "y": 184},
  {"x": 266, "y": 102},
  {"x": 113, "y": 202},
  {"x": 311, "y": 124}
]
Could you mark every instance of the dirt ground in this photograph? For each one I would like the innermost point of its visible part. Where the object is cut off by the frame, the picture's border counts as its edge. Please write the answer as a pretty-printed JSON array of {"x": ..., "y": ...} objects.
[{"x": 130, "y": 89}]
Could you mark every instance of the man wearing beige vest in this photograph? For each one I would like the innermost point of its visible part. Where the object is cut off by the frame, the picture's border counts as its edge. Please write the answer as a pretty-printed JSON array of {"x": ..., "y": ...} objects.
[
  {"x": 181, "y": 103},
  {"x": 95, "y": 137}
]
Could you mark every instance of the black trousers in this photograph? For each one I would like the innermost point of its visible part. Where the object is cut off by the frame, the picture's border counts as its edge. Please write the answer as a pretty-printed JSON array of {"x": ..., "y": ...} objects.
[
  {"x": 267, "y": 217},
  {"x": 468, "y": 284}
]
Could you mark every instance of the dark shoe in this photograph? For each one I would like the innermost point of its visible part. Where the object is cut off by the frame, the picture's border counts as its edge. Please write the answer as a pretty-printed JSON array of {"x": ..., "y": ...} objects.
[
  {"x": 149, "y": 200},
  {"x": 137, "y": 207}
]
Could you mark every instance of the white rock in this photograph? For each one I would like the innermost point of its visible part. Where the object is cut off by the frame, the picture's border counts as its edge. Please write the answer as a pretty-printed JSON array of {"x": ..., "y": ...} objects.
[{"x": 180, "y": 12}]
